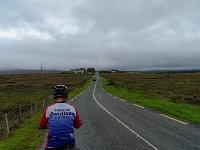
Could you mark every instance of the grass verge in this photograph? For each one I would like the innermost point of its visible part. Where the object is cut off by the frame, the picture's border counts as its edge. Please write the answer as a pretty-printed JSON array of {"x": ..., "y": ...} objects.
[
  {"x": 28, "y": 136},
  {"x": 79, "y": 90},
  {"x": 184, "y": 111}
]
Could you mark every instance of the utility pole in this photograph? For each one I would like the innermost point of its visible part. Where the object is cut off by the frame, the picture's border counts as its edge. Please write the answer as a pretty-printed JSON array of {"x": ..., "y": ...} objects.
[
  {"x": 169, "y": 67},
  {"x": 42, "y": 78},
  {"x": 41, "y": 70}
]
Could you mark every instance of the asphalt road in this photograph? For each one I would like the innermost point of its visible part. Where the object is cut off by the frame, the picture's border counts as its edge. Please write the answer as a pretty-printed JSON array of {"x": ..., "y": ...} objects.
[{"x": 110, "y": 123}]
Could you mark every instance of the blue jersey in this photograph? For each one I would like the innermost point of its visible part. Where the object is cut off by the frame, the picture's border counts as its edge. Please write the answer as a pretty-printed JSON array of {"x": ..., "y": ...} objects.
[{"x": 61, "y": 118}]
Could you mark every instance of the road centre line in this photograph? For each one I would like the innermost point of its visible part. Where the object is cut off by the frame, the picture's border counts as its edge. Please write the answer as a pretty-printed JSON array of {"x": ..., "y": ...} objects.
[
  {"x": 122, "y": 122},
  {"x": 179, "y": 121}
]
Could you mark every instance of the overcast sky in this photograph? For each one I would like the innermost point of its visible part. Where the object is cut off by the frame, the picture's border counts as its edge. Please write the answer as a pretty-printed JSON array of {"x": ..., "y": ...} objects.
[{"x": 123, "y": 34}]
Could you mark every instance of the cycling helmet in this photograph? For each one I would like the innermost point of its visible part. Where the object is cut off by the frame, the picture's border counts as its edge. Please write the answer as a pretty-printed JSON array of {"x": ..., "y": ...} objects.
[{"x": 60, "y": 91}]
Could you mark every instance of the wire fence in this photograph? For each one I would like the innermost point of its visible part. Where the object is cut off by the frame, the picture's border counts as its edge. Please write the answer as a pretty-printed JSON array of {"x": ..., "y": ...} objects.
[{"x": 11, "y": 120}]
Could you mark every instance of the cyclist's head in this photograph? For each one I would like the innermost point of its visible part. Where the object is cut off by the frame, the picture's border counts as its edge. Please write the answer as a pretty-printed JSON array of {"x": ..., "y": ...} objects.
[{"x": 60, "y": 91}]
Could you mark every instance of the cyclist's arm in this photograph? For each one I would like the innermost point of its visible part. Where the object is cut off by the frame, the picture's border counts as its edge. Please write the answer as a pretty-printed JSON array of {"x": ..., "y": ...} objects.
[
  {"x": 43, "y": 121},
  {"x": 77, "y": 123}
]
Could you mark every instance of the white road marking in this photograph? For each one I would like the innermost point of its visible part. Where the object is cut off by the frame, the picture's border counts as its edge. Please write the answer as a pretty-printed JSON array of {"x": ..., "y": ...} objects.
[
  {"x": 122, "y": 122},
  {"x": 138, "y": 105}
]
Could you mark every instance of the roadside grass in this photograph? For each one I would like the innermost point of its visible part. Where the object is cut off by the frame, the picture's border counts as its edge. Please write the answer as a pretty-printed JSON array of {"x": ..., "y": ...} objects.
[
  {"x": 79, "y": 90},
  {"x": 185, "y": 111},
  {"x": 28, "y": 136}
]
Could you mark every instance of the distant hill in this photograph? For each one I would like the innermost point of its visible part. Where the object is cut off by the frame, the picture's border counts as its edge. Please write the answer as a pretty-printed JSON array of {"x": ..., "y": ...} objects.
[
  {"x": 24, "y": 71},
  {"x": 170, "y": 71}
]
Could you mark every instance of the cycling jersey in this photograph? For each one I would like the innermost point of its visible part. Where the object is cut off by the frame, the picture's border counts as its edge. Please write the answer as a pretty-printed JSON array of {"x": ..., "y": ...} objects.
[{"x": 60, "y": 119}]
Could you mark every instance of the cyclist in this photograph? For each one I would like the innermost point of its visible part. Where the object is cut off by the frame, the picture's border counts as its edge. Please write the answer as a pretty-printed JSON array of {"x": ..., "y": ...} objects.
[{"x": 60, "y": 118}]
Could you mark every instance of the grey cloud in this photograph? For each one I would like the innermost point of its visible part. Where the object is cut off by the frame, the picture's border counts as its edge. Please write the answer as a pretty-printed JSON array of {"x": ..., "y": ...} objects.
[{"x": 127, "y": 34}]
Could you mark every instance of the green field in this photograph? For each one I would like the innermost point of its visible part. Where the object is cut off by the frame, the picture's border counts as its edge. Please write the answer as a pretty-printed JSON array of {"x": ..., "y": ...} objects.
[
  {"x": 175, "y": 87},
  {"x": 145, "y": 89},
  {"x": 26, "y": 88}
]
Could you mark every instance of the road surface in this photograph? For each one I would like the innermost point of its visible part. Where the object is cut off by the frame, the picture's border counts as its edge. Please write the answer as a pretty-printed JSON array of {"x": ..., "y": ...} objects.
[{"x": 110, "y": 123}]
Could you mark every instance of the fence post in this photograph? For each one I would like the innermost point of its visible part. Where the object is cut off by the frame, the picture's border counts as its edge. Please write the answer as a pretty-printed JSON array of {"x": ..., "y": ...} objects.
[
  {"x": 36, "y": 107},
  {"x": 20, "y": 114},
  {"x": 43, "y": 103},
  {"x": 46, "y": 102},
  {"x": 7, "y": 125},
  {"x": 31, "y": 109}
]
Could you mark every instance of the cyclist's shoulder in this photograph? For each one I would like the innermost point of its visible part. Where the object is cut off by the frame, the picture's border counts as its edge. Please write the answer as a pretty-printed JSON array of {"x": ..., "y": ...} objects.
[
  {"x": 50, "y": 105},
  {"x": 72, "y": 106}
]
